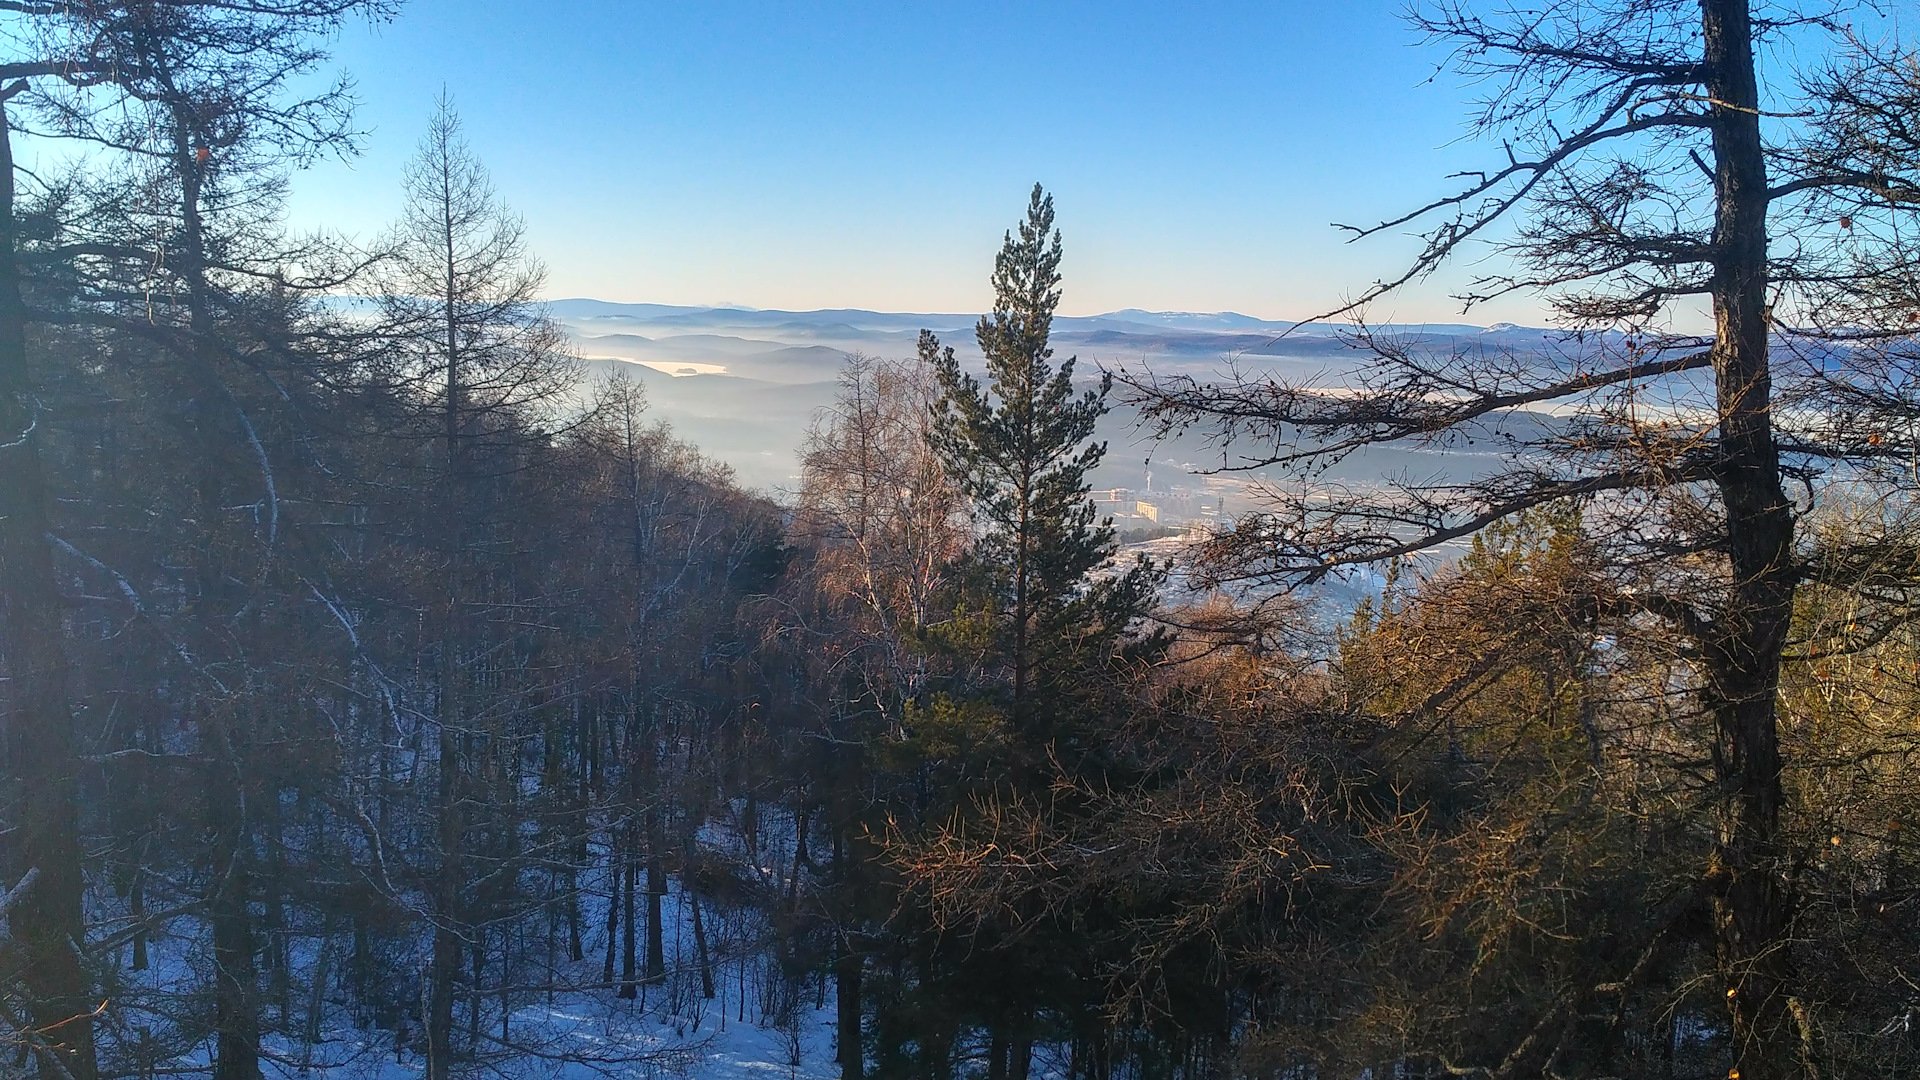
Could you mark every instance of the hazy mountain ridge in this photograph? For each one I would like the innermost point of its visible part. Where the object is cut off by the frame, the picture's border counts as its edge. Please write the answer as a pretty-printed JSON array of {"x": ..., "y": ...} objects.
[{"x": 744, "y": 383}]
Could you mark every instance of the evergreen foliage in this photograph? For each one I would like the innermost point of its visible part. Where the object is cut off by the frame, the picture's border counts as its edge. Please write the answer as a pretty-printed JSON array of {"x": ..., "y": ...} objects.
[{"x": 1051, "y": 609}]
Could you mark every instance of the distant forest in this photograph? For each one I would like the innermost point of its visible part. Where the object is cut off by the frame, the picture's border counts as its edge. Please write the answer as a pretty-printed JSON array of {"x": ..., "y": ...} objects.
[{"x": 385, "y": 692}]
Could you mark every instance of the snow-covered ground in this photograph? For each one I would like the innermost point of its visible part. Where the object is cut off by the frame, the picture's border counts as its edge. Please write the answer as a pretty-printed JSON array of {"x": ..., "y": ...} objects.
[{"x": 571, "y": 1026}]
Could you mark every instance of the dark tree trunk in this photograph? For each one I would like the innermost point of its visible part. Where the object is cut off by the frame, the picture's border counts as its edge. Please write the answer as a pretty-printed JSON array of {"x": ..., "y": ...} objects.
[
  {"x": 629, "y": 974},
  {"x": 846, "y": 987},
  {"x": 936, "y": 1051},
  {"x": 655, "y": 827},
  {"x": 704, "y": 957},
  {"x": 444, "y": 965},
  {"x": 616, "y": 873},
  {"x": 576, "y": 948},
  {"x": 477, "y": 970},
  {"x": 236, "y": 1017},
  {"x": 137, "y": 911},
  {"x": 317, "y": 997},
  {"x": 452, "y": 719},
  {"x": 47, "y": 923},
  {"x": 236, "y": 984},
  {"x": 1751, "y": 903},
  {"x": 656, "y": 894},
  {"x": 997, "y": 1047}
]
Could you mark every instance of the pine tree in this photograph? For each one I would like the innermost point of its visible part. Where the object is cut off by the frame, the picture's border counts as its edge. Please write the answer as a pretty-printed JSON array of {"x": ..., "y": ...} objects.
[
  {"x": 1021, "y": 448},
  {"x": 1048, "y": 623}
]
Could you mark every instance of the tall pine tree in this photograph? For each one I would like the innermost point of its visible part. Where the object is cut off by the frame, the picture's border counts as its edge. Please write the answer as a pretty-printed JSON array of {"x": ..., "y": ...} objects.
[
  {"x": 1021, "y": 448},
  {"x": 1046, "y": 639}
]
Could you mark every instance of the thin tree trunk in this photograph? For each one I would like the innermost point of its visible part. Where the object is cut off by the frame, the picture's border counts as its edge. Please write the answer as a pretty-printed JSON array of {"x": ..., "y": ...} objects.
[
  {"x": 235, "y": 976},
  {"x": 137, "y": 910},
  {"x": 576, "y": 948},
  {"x": 317, "y": 999},
  {"x": 705, "y": 959},
  {"x": 279, "y": 951},
  {"x": 615, "y": 874},
  {"x": 629, "y": 964},
  {"x": 445, "y": 963},
  {"x": 477, "y": 964}
]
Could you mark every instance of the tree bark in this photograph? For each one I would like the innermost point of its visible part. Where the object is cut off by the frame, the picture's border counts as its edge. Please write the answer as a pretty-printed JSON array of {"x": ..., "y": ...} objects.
[
  {"x": 235, "y": 1009},
  {"x": 1751, "y": 902},
  {"x": 444, "y": 965},
  {"x": 615, "y": 874},
  {"x": 704, "y": 957},
  {"x": 229, "y": 905},
  {"x": 451, "y": 719},
  {"x": 1020, "y": 1053},
  {"x": 846, "y": 992},
  {"x": 656, "y": 894},
  {"x": 629, "y": 973}
]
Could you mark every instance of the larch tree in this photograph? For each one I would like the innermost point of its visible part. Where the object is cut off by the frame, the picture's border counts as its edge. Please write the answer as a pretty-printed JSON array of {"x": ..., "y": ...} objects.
[
  {"x": 478, "y": 352},
  {"x": 1653, "y": 164},
  {"x": 158, "y": 88}
]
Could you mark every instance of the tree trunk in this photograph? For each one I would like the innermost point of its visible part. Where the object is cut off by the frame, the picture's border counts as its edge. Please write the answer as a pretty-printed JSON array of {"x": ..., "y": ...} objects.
[
  {"x": 236, "y": 1018},
  {"x": 1748, "y": 867},
  {"x": 656, "y": 894},
  {"x": 846, "y": 992},
  {"x": 48, "y": 923},
  {"x": 1020, "y": 1053},
  {"x": 997, "y": 1052},
  {"x": 615, "y": 873},
  {"x": 936, "y": 1051},
  {"x": 229, "y": 905},
  {"x": 629, "y": 973},
  {"x": 444, "y": 966},
  {"x": 576, "y": 948},
  {"x": 317, "y": 999},
  {"x": 137, "y": 911},
  {"x": 477, "y": 970},
  {"x": 704, "y": 957}
]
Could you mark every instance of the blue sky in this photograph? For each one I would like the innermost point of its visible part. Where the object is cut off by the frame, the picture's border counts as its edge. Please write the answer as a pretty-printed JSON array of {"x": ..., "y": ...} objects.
[{"x": 804, "y": 155}]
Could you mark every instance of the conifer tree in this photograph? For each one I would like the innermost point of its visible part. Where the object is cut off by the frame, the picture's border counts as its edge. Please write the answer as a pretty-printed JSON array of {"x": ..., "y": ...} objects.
[
  {"x": 1021, "y": 448},
  {"x": 491, "y": 371},
  {"x": 1047, "y": 631}
]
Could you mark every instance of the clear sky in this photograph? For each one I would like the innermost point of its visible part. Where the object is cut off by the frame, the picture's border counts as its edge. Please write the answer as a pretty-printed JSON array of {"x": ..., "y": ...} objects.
[{"x": 806, "y": 155}]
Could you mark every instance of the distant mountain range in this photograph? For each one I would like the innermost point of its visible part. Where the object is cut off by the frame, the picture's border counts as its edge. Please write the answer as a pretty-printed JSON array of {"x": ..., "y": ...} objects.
[
  {"x": 744, "y": 383},
  {"x": 1125, "y": 321}
]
